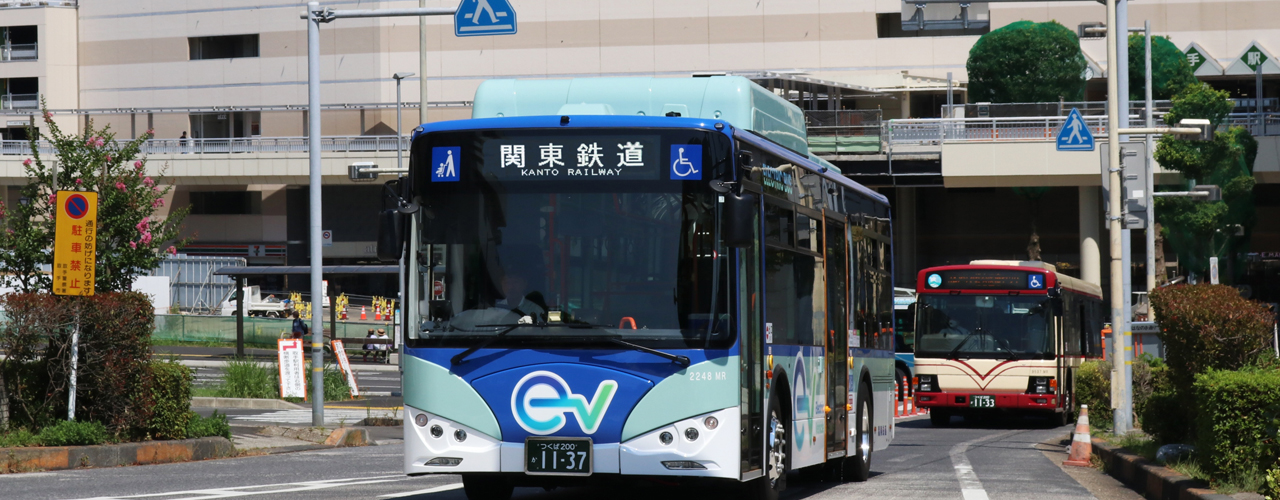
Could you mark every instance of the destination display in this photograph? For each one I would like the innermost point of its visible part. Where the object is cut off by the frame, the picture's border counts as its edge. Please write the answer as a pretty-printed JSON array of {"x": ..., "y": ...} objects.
[
  {"x": 629, "y": 157},
  {"x": 985, "y": 279}
]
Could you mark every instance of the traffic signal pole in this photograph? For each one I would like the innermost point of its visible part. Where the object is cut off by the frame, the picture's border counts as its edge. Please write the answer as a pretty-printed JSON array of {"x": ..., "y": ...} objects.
[{"x": 315, "y": 15}]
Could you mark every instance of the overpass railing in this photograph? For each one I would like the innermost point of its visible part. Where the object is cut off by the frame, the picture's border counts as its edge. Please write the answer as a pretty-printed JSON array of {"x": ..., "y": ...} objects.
[
  {"x": 936, "y": 131},
  {"x": 332, "y": 144}
]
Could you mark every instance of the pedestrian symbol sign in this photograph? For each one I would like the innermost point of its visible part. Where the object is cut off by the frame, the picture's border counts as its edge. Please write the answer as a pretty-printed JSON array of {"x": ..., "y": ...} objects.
[
  {"x": 1074, "y": 134},
  {"x": 75, "y": 243},
  {"x": 484, "y": 17}
]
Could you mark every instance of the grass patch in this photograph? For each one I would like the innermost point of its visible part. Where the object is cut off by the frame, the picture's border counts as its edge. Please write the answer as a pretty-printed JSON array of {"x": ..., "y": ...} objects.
[
  {"x": 1136, "y": 443},
  {"x": 1189, "y": 467},
  {"x": 15, "y": 438},
  {"x": 73, "y": 433},
  {"x": 214, "y": 426},
  {"x": 251, "y": 379},
  {"x": 1251, "y": 482}
]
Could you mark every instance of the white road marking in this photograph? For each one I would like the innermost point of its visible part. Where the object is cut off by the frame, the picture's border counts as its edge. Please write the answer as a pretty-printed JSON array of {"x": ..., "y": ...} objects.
[
  {"x": 263, "y": 489},
  {"x": 437, "y": 489},
  {"x": 970, "y": 486},
  {"x": 904, "y": 458}
]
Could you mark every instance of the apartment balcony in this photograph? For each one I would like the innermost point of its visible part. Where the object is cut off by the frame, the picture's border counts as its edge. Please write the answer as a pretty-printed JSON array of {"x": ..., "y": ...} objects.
[
  {"x": 19, "y": 52},
  {"x": 20, "y": 101}
]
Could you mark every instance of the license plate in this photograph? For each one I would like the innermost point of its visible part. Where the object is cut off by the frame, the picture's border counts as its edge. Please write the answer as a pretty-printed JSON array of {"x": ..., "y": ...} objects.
[
  {"x": 982, "y": 401},
  {"x": 558, "y": 456}
]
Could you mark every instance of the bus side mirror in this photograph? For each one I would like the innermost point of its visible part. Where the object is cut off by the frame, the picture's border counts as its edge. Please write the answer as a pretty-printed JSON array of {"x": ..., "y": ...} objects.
[
  {"x": 741, "y": 213},
  {"x": 390, "y": 235}
]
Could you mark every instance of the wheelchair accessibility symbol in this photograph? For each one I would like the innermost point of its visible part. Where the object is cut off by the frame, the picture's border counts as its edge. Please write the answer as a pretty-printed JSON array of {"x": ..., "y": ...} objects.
[{"x": 686, "y": 162}]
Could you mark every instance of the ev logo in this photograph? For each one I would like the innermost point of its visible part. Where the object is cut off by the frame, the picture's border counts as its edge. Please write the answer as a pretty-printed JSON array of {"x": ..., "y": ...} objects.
[
  {"x": 1035, "y": 281},
  {"x": 935, "y": 280},
  {"x": 444, "y": 164},
  {"x": 541, "y": 399},
  {"x": 801, "y": 403},
  {"x": 686, "y": 162}
]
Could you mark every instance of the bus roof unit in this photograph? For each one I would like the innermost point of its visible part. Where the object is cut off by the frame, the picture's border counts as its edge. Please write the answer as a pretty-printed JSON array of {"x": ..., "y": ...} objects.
[{"x": 734, "y": 99}]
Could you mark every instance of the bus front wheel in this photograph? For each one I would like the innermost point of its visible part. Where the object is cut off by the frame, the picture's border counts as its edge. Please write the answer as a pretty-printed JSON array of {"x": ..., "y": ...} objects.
[
  {"x": 777, "y": 444},
  {"x": 486, "y": 487},
  {"x": 857, "y": 466}
]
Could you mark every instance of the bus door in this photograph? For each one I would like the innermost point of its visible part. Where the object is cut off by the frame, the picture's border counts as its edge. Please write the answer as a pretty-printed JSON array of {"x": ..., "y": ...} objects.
[
  {"x": 751, "y": 341},
  {"x": 836, "y": 256}
]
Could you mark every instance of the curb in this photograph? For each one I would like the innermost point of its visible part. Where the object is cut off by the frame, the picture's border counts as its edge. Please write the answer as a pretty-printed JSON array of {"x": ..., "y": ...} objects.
[
  {"x": 348, "y": 436},
  {"x": 1153, "y": 481},
  {"x": 243, "y": 403},
  {"x": 212, "y": 363},
  {"x": 114, "y": 455}
]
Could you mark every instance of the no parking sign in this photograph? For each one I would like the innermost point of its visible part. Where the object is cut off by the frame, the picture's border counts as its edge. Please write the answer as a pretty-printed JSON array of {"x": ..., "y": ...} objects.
[{"x": 74, "y": 242}]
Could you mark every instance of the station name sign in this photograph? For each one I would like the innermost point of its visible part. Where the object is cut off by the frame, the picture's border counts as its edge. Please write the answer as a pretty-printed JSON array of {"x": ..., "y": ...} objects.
[{"x": 985, "y": 279}]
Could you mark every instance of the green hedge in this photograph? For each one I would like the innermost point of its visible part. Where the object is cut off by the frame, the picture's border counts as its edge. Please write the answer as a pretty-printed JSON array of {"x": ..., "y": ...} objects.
[
  {"x": 171, "y": 400},
  {"x": 1093, "y": 388},
  {"x": 1236, "y": 421},
  {"x": 73, "y": 433},
  {"x": 1209, "y": 327}
]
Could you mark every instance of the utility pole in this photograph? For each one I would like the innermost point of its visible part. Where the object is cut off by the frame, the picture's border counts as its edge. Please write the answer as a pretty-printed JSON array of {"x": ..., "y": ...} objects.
[
  {"x": 1151, "y": 184},
  {"x": 1119, "y": 324}
]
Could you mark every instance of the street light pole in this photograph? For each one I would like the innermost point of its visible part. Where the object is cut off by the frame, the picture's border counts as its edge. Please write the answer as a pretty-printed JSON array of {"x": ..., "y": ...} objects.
[
  {"x": 399, "y": 136},
  {"x": 317, "y": 252}
]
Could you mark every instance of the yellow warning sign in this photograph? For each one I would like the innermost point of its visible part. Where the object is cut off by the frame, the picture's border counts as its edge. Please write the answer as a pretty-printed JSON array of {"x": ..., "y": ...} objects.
[{"x": 74, "y": 243}]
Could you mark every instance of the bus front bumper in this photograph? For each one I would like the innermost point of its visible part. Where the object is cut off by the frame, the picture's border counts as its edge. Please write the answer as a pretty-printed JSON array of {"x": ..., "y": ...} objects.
[
  {"x": 958, "y": 400},
  {"x": 716, "y": 450}
]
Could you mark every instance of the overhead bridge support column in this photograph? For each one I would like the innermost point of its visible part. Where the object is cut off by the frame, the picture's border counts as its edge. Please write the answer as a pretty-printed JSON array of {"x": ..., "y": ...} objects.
[
  {"x": 904, "y": 228},
  {"x": 1090, "y": 222}
]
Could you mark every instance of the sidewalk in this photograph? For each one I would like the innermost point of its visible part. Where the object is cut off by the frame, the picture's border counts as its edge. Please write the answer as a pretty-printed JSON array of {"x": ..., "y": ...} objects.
[{"x": 285, "y": 430}]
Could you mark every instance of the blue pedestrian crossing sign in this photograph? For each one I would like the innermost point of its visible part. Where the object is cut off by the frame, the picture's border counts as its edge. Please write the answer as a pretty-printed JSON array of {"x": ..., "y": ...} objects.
[
  {"x": 1074, "y": 134},
  {"x": 484, "y": 17}
]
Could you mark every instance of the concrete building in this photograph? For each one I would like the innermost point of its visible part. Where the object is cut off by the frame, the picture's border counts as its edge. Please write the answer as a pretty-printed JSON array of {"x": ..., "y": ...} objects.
[{"x": 232, "y": 76}]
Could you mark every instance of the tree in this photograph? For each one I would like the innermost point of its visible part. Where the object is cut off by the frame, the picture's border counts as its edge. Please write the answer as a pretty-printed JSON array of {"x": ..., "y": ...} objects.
[
  {"x": 1170, "y": 71},
  {"x": 1027, "y": 62},
  {"x": 1198, "y": 229},
  {"x": 131, "y": 237}
]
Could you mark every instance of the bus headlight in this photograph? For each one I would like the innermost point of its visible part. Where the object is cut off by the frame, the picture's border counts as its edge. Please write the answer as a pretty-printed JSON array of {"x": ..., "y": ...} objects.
[
  {"x": 711, "y": 423},
  {"x": 420, "y": 419},
  {"x": 665, "y": 437},
  {"x": 927, "y": 383}
]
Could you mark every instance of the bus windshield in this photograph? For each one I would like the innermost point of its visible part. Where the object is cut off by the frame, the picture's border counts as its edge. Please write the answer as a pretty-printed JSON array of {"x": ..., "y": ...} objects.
[
  {"x": 984, "y": 326},
  {"x": 612, "y": 252}
]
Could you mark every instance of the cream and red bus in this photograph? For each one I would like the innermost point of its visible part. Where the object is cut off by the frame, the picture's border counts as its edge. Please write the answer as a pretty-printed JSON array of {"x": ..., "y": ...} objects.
[{"x": 1002, "y": 336}]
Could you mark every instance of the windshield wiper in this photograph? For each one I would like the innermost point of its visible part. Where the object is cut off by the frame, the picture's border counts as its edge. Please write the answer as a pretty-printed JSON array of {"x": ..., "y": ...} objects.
[
  {"x": 675, "y": 358},
  {"x": 461, "y": 357},
  {"x": 965, "y": 340}
]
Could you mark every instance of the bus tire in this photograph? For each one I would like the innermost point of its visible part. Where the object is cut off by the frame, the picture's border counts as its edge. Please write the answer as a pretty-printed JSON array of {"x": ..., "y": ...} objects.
[
  {"x": 777, "y": 460},
  {"x": 857, "y": 467},
  {"x": 486, "y": 487}
]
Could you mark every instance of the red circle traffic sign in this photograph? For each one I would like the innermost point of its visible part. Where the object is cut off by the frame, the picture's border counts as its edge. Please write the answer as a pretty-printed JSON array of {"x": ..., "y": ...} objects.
[
  {"x": 437, "y": 288},
  {"x": 76, "y": 206}
]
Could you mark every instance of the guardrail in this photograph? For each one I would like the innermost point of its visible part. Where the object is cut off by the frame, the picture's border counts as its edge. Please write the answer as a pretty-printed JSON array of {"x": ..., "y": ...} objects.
[
  {"x": 936, "y": 131},
  {"x": 332, "y": 144},
  {"x": 18, "y": 52},
  {"x": 19, "y": 101}
]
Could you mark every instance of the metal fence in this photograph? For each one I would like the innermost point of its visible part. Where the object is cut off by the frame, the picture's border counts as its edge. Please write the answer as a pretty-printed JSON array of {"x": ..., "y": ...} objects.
[
  {"x": 19, "y": 101},
  {"x": 847, "y": 131},
  {"x": 192, "y": 285},
  {"x": 18, "y": 52},
  {"x": 259, "y": 331},
  {"x": 332, "y": 144}
]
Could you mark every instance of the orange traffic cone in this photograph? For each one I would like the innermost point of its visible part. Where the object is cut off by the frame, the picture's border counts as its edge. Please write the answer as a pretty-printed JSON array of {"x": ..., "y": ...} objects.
[
  {"x": 1081, "y": 444},
  {"x": 362, "y": 314}
]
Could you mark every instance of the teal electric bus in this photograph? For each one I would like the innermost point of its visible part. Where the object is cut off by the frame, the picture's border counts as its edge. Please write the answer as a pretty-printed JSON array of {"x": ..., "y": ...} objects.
[{"x": 631, "y": 277}]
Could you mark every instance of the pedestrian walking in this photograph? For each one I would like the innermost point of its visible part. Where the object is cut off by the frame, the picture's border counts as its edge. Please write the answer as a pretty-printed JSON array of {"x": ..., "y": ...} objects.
[{"x": 300, "y": 328}]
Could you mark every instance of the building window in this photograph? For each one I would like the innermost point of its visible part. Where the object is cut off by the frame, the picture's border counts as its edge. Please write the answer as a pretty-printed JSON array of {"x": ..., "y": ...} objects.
[
  {"x": 223, "y": 47},
  {"x": 889, "y": 25},
  {"x": 226, "y": 124},
  {"x": 18, "y": 43},
  {"x": 226, "y": 203},
  {"x": 19, "y": 93}
]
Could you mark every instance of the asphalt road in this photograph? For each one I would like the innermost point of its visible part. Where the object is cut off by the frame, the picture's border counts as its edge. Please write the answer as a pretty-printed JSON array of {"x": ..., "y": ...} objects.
[{"x": 999, "y": 461}]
